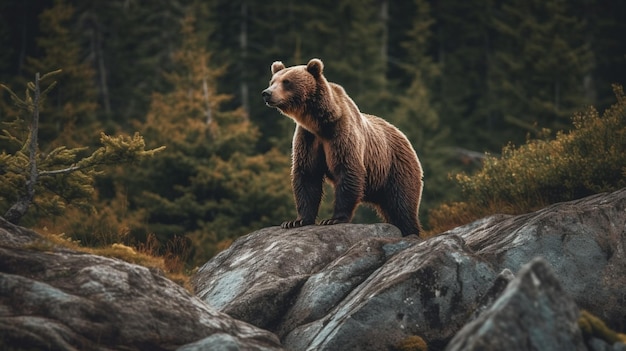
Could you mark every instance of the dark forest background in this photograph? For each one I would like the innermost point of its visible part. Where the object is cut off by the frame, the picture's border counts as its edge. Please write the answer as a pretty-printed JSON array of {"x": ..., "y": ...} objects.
[{"x": 459, "y": 77}]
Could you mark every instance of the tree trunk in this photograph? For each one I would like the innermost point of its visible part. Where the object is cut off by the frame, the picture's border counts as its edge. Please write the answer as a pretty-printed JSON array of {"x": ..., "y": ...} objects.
[
  {"x": 102, "y": 72},
  {"x": 384, "y": 19},
  {"x": 19, "y": 208},
  {"x": 243, "y": 46}
]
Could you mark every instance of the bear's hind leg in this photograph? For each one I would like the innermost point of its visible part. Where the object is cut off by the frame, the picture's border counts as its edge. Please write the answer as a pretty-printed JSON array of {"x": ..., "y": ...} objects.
[
  {"x": 404, "y": 221},
  {"x": 401, "y": 210}
]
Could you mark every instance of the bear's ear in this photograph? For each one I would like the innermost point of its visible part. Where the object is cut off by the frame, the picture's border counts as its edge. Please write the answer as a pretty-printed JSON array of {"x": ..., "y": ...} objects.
[
  {"x": 277, "y": 66},
  {"x": 315, "y": 67}
]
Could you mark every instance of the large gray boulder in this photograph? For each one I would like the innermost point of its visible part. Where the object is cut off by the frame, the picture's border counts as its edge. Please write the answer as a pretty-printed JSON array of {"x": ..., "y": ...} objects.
[
  {"x": 363, "y": 287},
  {"x": 583, "y": 240},
  {"x": 261, "y": 274},
  {"x": 59, "y": 299},
  {"x": 428, "y": 290},
  {"x": 533, "y": 313},
  {"x": 326, "y": 289}
]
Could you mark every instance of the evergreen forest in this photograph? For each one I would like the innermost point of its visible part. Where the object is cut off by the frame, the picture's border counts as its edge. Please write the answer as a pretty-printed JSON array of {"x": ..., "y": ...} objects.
[{"x": 486, "y": 91}]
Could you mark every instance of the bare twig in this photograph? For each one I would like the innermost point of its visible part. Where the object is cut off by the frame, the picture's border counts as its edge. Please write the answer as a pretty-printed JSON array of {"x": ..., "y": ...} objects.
[{"x": 70, "y": 169}]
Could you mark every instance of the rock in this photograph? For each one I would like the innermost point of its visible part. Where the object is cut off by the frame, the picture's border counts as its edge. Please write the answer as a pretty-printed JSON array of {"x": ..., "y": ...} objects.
[
  {"x": 364, "y": 287},
  {"x": 326, "y": 289},
  {"x": 347, "y": 287},
  {"x": 601, "y": 345},
  {"x": 427, "y": 289},
  {"x": 533, "y": 313},
  {"x": 499, "y": 284},
  {"x": 583, "y": 240},
  {"x": 12, "y": 235},
  {"x": 261, "y": 274},
  {"x": 59, "y": 299}
]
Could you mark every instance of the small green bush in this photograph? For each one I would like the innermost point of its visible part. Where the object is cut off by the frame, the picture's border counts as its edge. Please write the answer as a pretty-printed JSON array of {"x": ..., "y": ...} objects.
[{"x": 589, "y": 159}]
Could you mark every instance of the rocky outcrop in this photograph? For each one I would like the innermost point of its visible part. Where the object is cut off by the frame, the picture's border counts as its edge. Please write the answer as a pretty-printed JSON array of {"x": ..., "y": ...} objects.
[
  {"x": 357, "y": 287},
  {"x": 58, "y": 299},
  {"x": 426, "y": 290},
  {"x": 503, "y": 282},
  {"x": 583, "y": 240}
]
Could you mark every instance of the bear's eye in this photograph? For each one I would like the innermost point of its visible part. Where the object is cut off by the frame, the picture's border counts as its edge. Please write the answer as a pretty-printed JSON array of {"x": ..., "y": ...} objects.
[{"x": 286, "y": 82}]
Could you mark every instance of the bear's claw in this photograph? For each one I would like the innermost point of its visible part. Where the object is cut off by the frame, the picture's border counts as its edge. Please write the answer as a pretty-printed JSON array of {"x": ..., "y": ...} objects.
[
  {"x": 294, "y": 224},
  {"x": 332, "y": 221}
]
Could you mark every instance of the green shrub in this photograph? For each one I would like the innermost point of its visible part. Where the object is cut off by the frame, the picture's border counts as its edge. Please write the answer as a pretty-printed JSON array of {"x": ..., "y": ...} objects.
[{"x": 588, "y": 159}]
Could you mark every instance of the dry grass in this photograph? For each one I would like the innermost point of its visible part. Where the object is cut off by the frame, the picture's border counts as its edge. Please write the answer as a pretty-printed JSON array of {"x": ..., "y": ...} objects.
[
  {"x": 172, "y": 266},
  {"x": 456, "y": 214}
]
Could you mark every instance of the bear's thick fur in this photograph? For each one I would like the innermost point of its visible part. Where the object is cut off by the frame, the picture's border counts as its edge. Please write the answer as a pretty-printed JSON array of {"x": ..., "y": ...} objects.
[{"x": 363, "y": 156}]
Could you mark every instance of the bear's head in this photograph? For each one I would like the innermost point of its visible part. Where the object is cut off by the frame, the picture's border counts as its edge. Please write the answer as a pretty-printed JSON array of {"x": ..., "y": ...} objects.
[{"x": 292, "y": 89}]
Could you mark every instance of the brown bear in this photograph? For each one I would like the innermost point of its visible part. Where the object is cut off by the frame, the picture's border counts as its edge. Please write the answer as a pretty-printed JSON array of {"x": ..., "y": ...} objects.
[{"x": 363, "y": 156}]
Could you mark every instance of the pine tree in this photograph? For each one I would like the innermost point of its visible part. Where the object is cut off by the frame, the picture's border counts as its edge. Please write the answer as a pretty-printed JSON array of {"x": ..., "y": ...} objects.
[
  {"x": 249, "y": 36},
  {"x": 209, "y": 185},
  {"x": 5, "y": 40},
  {"x": 603, "y": 34},
  {"x": 71, "y": 108},
  {"x": 62, "y": 177},
  {"x": 464, "y": 44},
  {"x": 540, "y": 61},
  {"x": 416, "y": 113},
  {"x": 131, "y": 43},
  {"x": 349, "y": 35}
]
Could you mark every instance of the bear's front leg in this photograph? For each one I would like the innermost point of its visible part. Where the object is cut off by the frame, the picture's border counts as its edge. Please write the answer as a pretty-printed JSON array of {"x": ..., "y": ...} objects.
[
  {"x": 307, "y": 178},
  {"x": 307, "y": 191},
  {"x": 349, "y": 184}
]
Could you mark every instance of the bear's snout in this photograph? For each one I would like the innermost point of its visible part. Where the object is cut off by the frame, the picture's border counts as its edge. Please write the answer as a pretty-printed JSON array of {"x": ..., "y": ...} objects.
[{"x": 267, "y": 96}]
